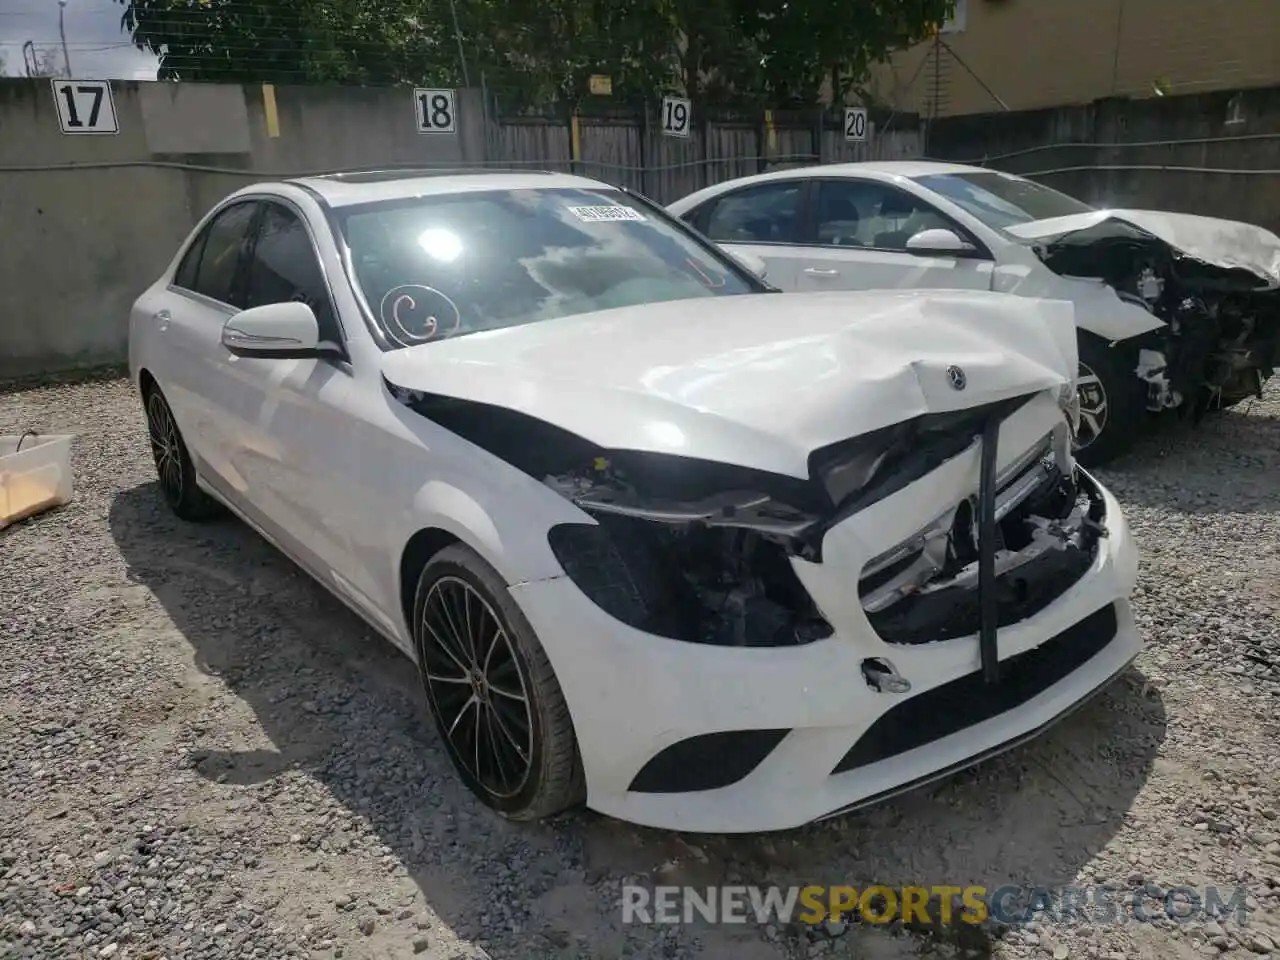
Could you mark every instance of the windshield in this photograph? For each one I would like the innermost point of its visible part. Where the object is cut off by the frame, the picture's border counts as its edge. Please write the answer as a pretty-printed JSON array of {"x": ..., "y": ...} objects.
[
  {"x": 1000, "y": 199},
  {"x": 445, "y": 266}
]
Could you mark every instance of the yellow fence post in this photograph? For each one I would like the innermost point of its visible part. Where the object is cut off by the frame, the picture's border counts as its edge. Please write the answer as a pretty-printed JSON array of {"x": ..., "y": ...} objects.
[
  {"x": 269, "y": 111},
  {"x": 770, "y": 137},
  {"x": 575, "y": 141}
]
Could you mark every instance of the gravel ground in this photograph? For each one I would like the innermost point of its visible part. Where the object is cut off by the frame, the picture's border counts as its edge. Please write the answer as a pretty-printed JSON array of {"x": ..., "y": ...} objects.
[{"x": 203, "y": 755}]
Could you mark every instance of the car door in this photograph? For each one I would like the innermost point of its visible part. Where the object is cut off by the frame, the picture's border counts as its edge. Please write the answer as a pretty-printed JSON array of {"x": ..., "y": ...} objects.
[
  {"x": 281, "y": 417},
  {"x": 856, "y": 239},
  {"x": 204, "y": 293},
  {"x": 763, "y": 220}
]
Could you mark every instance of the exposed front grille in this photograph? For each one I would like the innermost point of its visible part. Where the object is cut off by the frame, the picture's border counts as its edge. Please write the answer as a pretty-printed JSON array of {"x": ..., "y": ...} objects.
[
  {"x": 949, "y": 614},
  {"x": 1028, "y": 580},
  {"x": 968, "y": 700}
]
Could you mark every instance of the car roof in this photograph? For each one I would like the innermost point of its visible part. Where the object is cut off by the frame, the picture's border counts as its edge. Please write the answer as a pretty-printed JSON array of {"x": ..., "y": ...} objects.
[
  {"x": 370, "y": 186},
  {"x": 871, "y": 169},
  {"x": 892, "y": 168}
]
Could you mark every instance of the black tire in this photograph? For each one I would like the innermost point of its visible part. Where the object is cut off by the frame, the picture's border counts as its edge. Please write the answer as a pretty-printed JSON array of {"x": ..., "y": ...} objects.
[
  {"x": 551, "y": 779},
  {"x": 1113, "y": 404},
  {"x": 175, "y": 470}
]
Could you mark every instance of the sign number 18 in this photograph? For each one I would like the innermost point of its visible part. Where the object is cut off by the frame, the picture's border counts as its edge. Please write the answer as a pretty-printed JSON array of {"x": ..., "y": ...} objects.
[{"x": 435, "y": 110}]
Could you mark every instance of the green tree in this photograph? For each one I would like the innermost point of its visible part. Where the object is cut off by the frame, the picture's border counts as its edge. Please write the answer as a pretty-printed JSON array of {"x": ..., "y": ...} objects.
[
  {"x": 802, "y": 45},
  {"x": 538, "y": 52},
  {"x": 296, "y": 41}
]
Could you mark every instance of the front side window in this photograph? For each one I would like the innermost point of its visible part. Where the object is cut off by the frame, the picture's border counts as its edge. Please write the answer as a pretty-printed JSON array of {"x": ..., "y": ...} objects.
[
  {"x": 285, "y": 267},
  {"x": 769, "y": 213},
  {"x": 209, "y": 267},
  {"x": 864, "y": 213},
  {"x": 435, "y": 267},
  {"x": 1002, "y": 200}
]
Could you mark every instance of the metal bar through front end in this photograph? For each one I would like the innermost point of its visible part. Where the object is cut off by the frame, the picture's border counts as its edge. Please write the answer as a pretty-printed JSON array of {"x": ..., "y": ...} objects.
[{"x": 988, "y": 611}]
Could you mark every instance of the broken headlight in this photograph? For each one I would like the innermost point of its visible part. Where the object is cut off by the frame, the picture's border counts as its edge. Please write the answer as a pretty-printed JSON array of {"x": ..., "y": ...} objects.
[{"x": 709, "y": 569}]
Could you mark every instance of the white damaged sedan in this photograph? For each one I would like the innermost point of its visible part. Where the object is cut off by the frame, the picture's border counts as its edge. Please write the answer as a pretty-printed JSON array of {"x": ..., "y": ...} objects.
[
  {"x": 1175, "y": 312},
  {"x": 659, "y": 539}
]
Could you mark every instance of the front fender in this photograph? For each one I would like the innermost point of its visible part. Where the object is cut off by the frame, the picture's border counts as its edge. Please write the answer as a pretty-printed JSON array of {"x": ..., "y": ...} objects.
[
  {"x": 507, "y": 527},
  {"x": 1099, "y": 310}
]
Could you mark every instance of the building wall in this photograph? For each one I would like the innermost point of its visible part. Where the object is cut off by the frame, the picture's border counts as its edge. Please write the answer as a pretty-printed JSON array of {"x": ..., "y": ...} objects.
[{"x": 1042, "y": 53}]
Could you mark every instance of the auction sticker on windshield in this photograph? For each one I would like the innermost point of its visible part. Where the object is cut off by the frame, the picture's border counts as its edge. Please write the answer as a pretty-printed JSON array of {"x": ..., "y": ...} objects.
[{"x": 605, "y": 214}]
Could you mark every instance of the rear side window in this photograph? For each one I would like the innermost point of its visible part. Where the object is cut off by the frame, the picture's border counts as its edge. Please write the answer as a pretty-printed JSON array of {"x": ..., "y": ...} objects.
[
  {"x": 190, "y": 266},
  {"x": 209, "y": 267},
  {"x": 765, "y": 214}
]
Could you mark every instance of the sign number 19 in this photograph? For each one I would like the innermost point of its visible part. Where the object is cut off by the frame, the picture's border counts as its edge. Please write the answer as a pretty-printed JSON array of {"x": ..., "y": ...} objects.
[{"x": 675, "y": 116}]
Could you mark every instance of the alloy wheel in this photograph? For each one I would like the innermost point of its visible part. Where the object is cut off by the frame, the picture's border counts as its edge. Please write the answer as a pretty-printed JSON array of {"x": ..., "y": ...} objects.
[
  {"x": 166, "y": 448},
  {"x": 476, "y": 687},
  {"x": 1093, "y": 407}
]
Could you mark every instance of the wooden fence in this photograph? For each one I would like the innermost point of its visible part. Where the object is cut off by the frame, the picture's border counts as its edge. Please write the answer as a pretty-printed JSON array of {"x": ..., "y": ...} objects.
[{"x": 630, "y": 152}]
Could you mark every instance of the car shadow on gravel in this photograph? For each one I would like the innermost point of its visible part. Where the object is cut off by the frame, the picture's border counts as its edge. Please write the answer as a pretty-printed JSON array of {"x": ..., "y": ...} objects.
[{"x": 340, "y": 706}]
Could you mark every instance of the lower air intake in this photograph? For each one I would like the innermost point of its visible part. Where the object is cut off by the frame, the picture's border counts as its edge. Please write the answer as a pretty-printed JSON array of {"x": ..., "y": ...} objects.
[{"x": 968, "y": 700}]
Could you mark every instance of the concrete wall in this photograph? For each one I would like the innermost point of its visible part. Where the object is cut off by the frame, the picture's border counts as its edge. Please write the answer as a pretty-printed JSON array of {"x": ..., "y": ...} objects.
[
  {"x": 87, "y": 222},
  {"x": 1040, "y": 53}
]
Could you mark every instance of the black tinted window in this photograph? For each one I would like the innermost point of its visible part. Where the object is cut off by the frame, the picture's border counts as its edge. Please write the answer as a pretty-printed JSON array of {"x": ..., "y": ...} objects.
[
  {"x": 285, "y": 267},
  {"x": 221, "y": 253},
  {"x": 766, "y": 214},
  {"x": 436, "y": 267},
  {"x": 863, "y": 213}
]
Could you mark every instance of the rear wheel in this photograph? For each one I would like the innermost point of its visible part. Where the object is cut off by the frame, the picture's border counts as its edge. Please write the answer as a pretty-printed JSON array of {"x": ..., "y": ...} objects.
[
  {"x": 492, "y": 692},
  {"x": 174, "y": 468},
  {"x": 1112, "y": 402}
]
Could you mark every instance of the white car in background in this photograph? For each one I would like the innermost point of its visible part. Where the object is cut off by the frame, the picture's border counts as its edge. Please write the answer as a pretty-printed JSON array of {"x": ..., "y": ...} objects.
[
  {"x": 1174, "y": 311},
  {"x": 611, "y": 493}
]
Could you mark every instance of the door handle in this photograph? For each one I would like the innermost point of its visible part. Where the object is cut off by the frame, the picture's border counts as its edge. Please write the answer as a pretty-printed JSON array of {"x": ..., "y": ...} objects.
[
  {"x": 819, "y": 272},
  {"x": 162, "y": 318}
]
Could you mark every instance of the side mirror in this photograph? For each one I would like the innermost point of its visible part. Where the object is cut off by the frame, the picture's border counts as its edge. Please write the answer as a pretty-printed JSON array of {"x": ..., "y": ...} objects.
[
  {"x": 939, "y": 241},
  {"x": 753, "y": 263},
  {"x": 280, "y": 330}
]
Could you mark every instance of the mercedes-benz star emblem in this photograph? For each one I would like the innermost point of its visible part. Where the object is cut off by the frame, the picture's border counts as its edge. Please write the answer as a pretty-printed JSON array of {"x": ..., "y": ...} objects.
[{"x": 956, "y": 377}]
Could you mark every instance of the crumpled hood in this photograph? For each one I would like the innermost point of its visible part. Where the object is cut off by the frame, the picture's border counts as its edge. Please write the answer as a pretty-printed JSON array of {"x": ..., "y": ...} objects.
[
  {"x": 1229, "y": 244},
  {"x": 756, "y": 380}
]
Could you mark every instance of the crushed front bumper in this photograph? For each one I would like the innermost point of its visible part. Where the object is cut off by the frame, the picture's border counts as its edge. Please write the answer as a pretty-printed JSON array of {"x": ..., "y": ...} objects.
[{"x": 730, "y": 740}]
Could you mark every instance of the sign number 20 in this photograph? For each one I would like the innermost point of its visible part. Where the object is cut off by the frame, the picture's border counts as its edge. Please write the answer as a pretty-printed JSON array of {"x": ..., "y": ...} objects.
[
  {"x": 855, "y": 124},
  {"x": 675, "y": 116},
  {"x": 435, "y": 110}
]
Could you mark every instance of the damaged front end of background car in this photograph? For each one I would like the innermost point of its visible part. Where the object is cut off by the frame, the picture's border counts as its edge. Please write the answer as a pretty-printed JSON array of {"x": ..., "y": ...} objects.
[
  {"x": 1215, "y": 284},
  {"x": 702, "y": 551}
]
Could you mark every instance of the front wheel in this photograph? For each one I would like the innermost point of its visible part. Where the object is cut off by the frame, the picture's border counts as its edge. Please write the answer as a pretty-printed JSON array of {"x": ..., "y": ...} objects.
[
  {"x": 1112, "y": 402},
  {"x": 492, "y": 692},
  {"x": 175, "y": 469}
]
